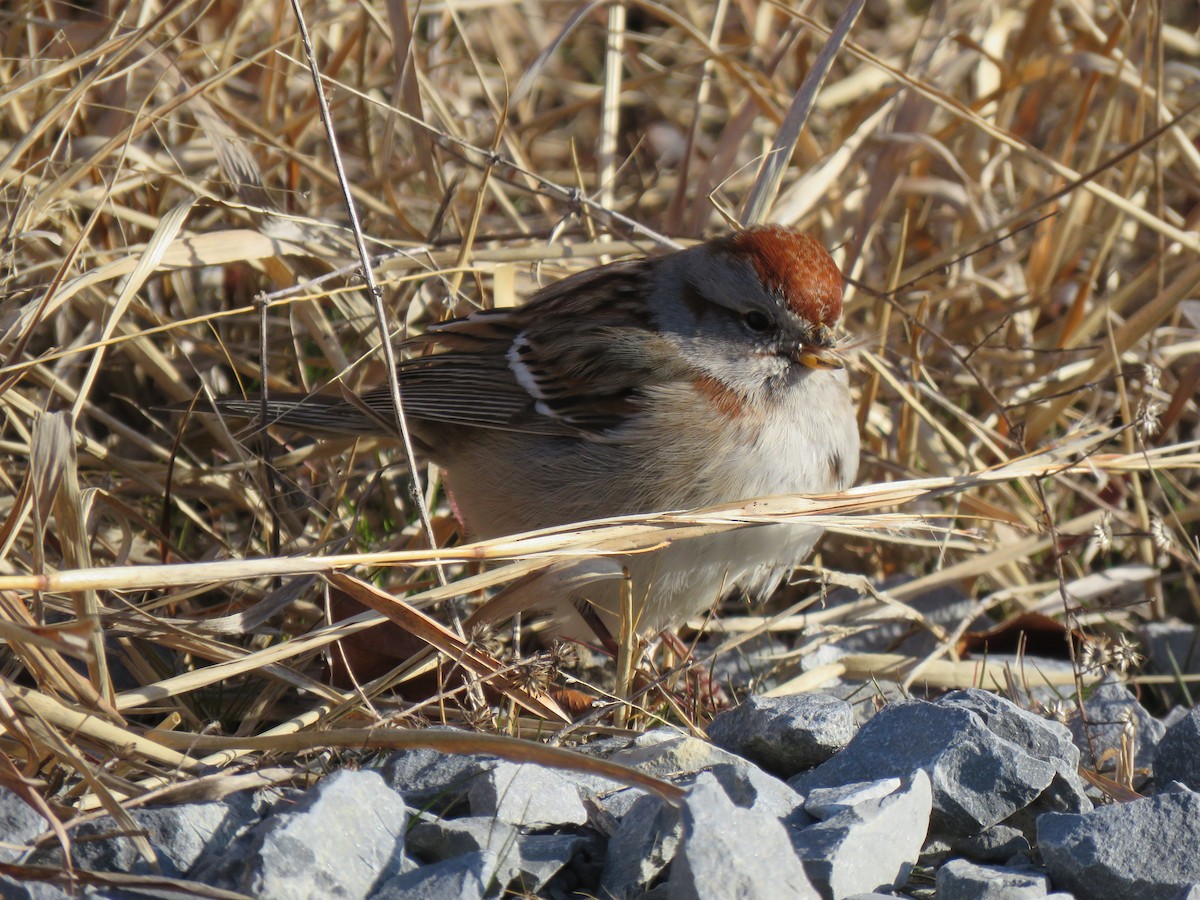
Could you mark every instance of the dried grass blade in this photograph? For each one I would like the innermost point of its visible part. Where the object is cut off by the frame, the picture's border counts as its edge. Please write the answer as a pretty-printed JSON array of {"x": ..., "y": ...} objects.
[
  {"x": 69, "y": 639},
  {"x": 1138, "y": 326},
  {"x": 136, "y": 885},
  {"x": 610, "y": 106},
  {"x": 459, "y": 742},
  {"x": 477, "y": 662},
  {"x": 148, "y": 263},
  {"x": 766, "y": 187},
  {"x": 849, "y": 510},
  {"x": 88, "y": 725},
  {"x": 952, "y": 674},
  {"x": 212, "y": 249},
  {"x": 52, "y": 434}
]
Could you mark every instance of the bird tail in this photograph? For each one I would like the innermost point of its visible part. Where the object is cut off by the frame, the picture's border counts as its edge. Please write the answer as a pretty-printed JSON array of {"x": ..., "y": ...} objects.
[{"x": 328, "y": 416}]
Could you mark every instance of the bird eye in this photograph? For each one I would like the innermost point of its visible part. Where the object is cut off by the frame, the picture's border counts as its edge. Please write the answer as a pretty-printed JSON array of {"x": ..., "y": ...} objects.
[{"x": 757, "y": 320}]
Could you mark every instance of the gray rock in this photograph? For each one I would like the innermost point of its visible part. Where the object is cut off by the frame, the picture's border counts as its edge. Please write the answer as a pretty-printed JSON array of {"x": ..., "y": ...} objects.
[
  {"x": 1172, "y": 648},
  {"x": 785, "y": 735},
  {"x": 870, "y": 847},
  {"x": 643, "y": 845},
  {"x": 466, "y": 877},
  {"x": 617, "y": 804},
  {"x": 534, "y": 858},
  {"x": 606, "y": 797},
  {"x": 12, "y": 889},
  {"x": 1114, "y": 715},
  {"x": 547, "y": 857},
  {"x": 603, "y": 747},
  {"x": 1177, "y": 757},
  {"x": 663, "y": 753},
  {"x": 997, "y": 844},
  {"x": 751, "y": 788},
  {"x": 978, "y": 778},
  {"x": 649, "y": 833},
  {"x": 20, "y": 823},
  {"x": 1144, "y": 849},
  {"x": 824, "y": 803},
  {"x": 667, "y": 753},
  {"x": 1039, "y": 737},
  {"x": 433, "y": 839},
  {"x": 528, "y": 795},
  {"x": 866, "y": 698},
  {"x": 178, "y": 834},
  {"x": 1173, "y": 715},
  {"x": 731, "y": 852},
  {"x": 432, "y": 780},
  {"x": 1067, "y": 793},
  {"x": 963, "y": 880},
  {"x": 338, "y": 840}
]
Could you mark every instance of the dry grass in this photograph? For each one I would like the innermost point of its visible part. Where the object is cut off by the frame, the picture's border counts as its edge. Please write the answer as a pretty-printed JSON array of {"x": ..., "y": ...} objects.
[{"x": 1012, "y": 194}]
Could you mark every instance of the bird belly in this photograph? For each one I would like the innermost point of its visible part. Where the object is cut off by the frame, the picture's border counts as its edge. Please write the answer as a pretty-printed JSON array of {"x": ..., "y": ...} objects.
[{"x": 811, "y": 448}]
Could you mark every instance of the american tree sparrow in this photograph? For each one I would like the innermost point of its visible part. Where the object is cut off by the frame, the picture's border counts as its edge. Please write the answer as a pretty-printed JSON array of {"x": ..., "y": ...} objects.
[{"x": 698, "y": 378}]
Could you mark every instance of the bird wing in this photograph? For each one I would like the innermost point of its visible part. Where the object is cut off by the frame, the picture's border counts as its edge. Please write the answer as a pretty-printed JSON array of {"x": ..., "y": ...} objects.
[{"x": 573, "y": 360}]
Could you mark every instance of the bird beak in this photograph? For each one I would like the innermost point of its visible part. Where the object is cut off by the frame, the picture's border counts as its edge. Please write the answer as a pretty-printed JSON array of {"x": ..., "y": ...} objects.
[{"x": 819, "y": 358}]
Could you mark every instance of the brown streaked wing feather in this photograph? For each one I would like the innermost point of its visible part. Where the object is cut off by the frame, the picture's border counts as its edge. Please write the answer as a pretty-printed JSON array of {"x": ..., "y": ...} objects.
[
  {"x": 463, "y": 388},
  {"x": 322, "y": 414},
  {"x": 574, "y": 378}
]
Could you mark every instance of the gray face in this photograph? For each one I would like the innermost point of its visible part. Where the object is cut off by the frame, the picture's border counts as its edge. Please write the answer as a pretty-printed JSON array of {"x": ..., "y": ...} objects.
[{"x": 733, "y": 328}]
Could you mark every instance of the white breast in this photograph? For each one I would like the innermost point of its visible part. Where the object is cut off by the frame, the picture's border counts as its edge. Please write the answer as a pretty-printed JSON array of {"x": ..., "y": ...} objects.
[{"x": 808, "y": 445}]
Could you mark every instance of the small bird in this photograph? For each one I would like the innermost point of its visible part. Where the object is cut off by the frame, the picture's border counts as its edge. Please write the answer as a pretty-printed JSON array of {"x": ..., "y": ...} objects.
[{"x": 701, "y": 377}]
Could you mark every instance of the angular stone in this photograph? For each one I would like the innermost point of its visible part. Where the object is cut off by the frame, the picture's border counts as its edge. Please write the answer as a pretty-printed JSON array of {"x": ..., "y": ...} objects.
[
  {"x": 432, "y": 839},
  {"x": 643, "y": 845},
  {"x": 531, "y": 796},
  {"x": 1172, "y": 648},
  {"x": 1114, "y": 717},
  {"x": 178, "y": 834},
  {"x": 1177, "y": 757},
  {"x": 1146, "y": 848},
  {"x": 728, "y": 851},
  {"x": 963, "y": 880},
  {"x": 534, "y": 858},
  {"x": 997, "y": 844},
  {"x": 785, "y": 735},
  {"x": 462, "y": 877},
  {"x": 871, "y": 846},
  {"x": 616, "y": 804},
  {"x": 824, "y": 803},
  {"x": 649, "y": 833},
  {"x": 432, "y": 780},
  {"x": 338, "y": 840},
  {"x": 978, "y": 778},
  {"x": 1039, "y": 737},
  {"x": 667, "y": 753},
  {"x": 20, "y": 823},
  {"x": 547, "y": 857},
  {"x": 751, "y": 788}
]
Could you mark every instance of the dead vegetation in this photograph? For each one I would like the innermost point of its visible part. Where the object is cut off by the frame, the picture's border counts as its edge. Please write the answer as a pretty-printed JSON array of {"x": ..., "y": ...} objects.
[{"x": 1012, "y": 194}]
